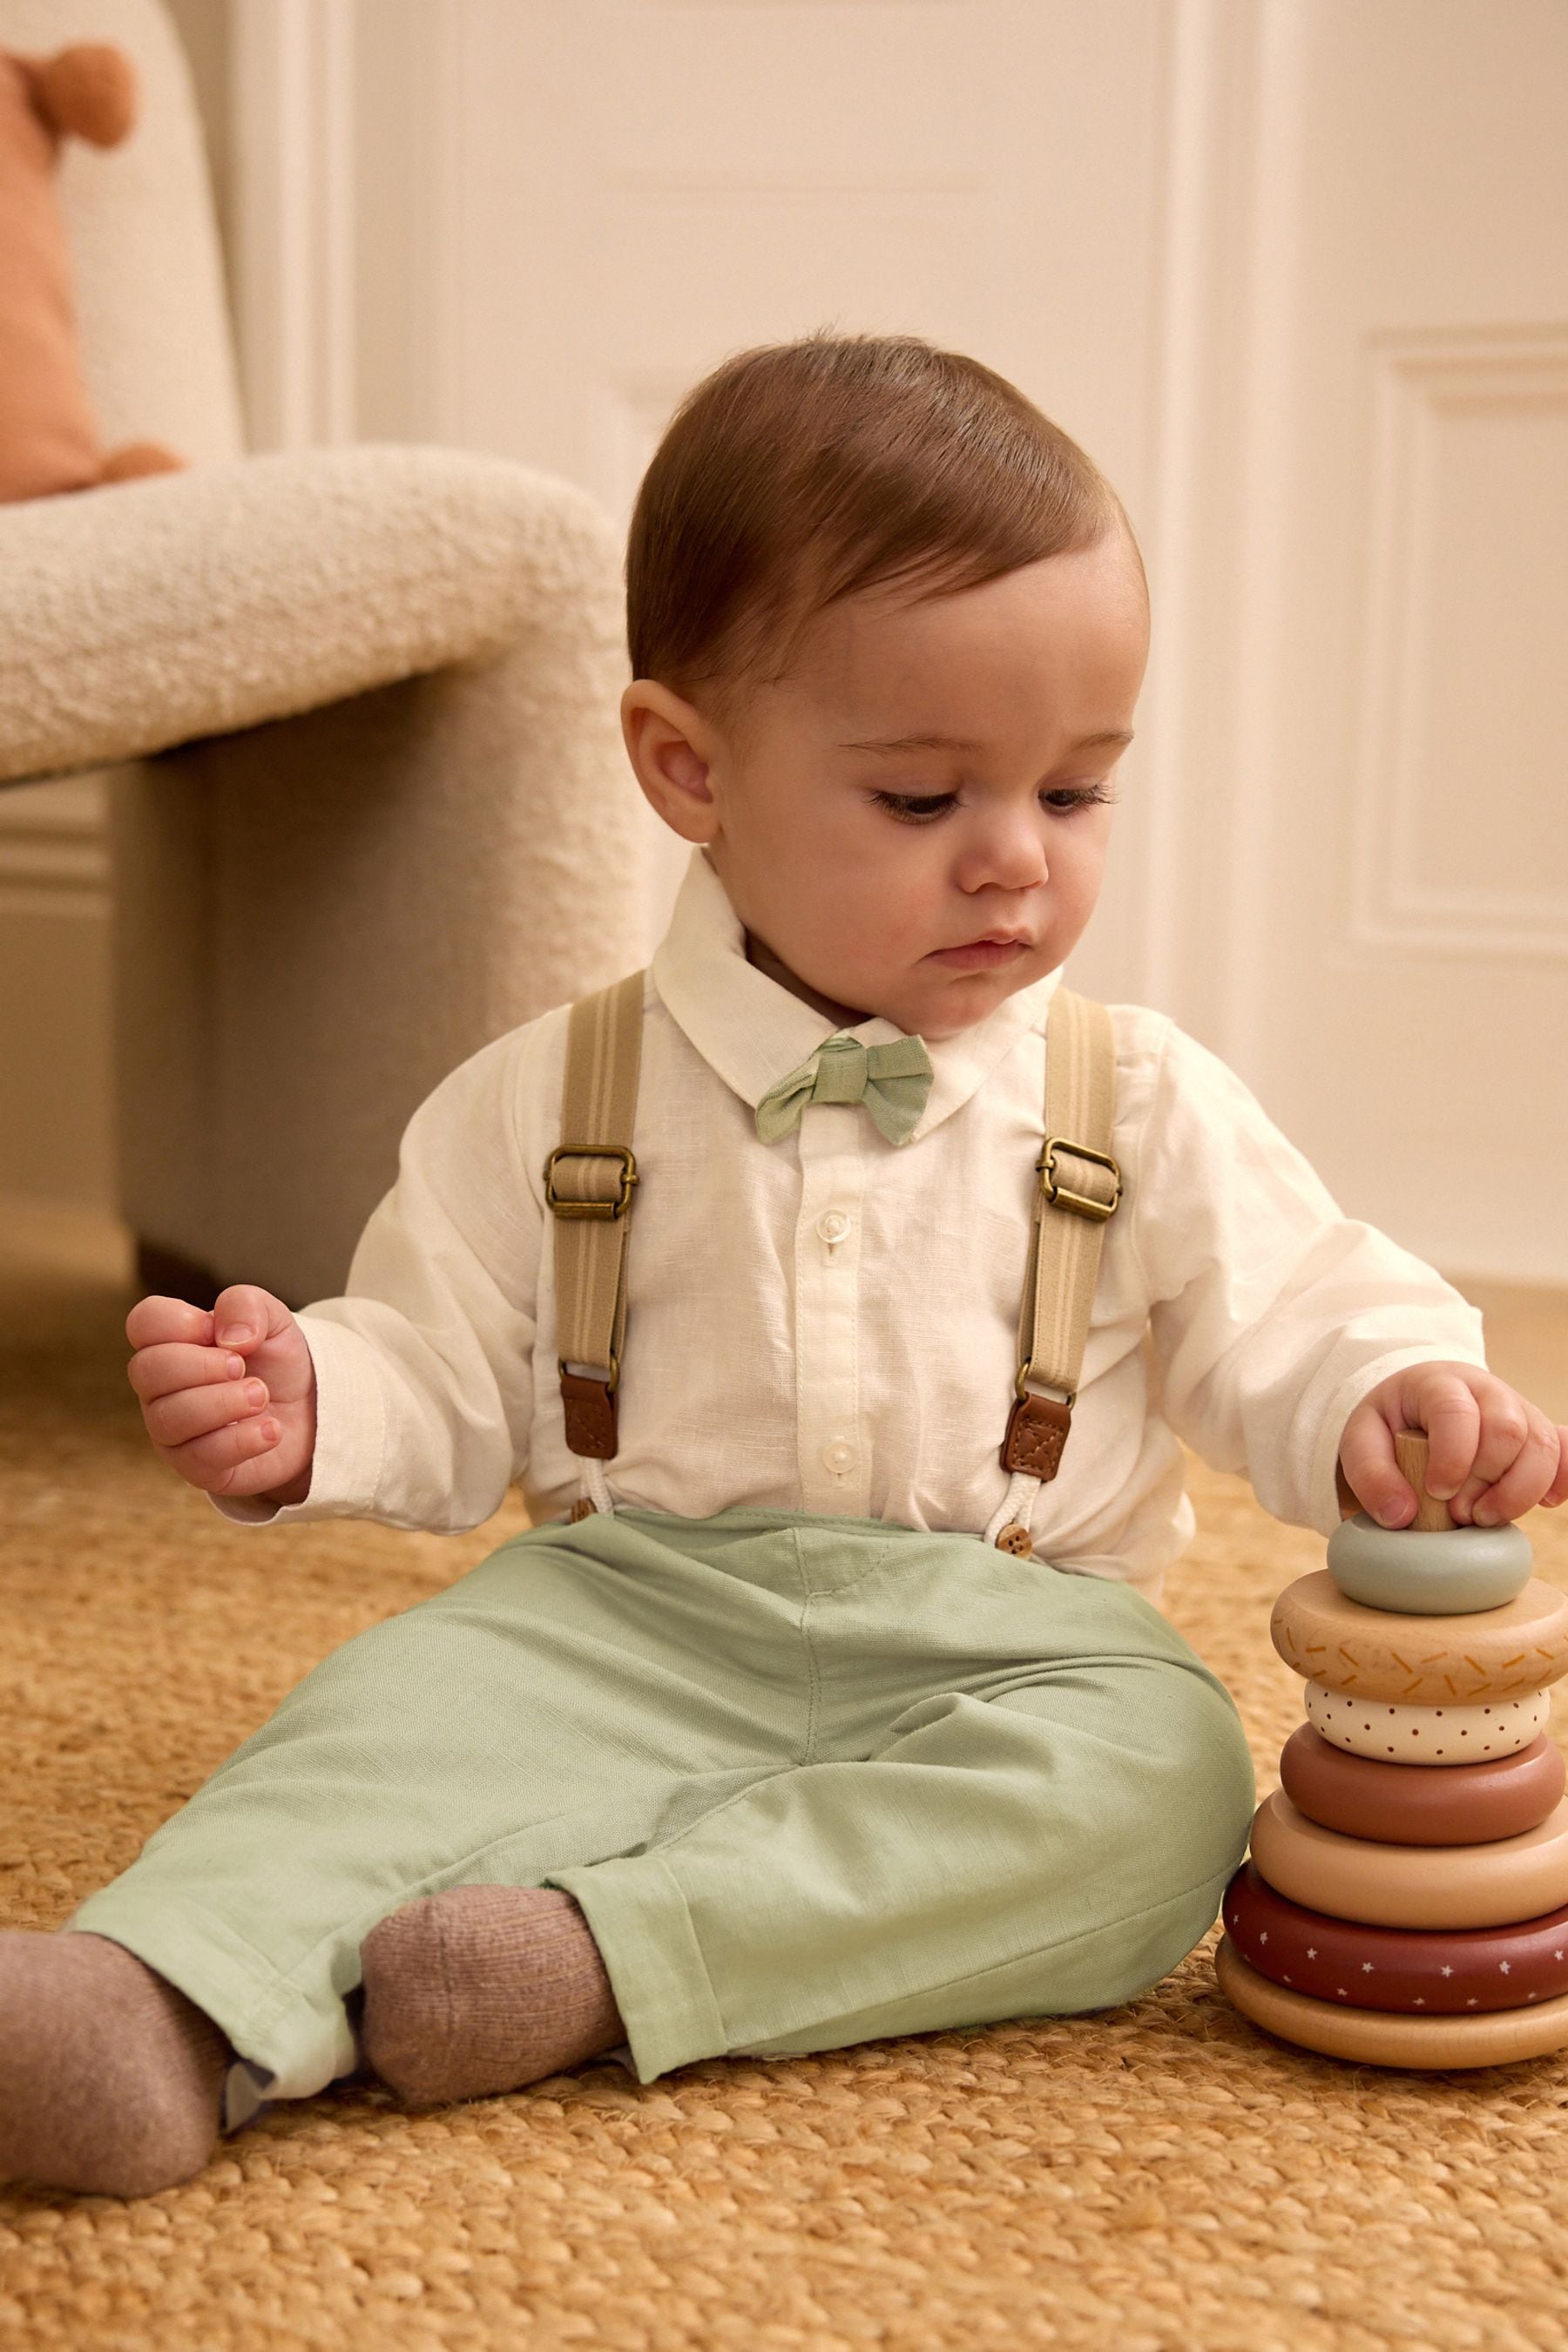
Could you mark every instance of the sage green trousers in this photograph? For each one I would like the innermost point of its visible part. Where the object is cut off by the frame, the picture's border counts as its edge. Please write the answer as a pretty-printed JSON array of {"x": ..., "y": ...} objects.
[{"x": 812, "y": 1779}]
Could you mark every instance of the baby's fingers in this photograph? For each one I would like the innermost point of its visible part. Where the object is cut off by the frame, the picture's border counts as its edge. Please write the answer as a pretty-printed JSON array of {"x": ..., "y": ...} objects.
[
  {"x": 174, "y": 1421},
  {"x": 245, "y": 1315},
  {"x": 228, "y": 1460},
  {"x": 1525, "y": 1480},
  {"x": 158, "y": 1371},
  {"x": 155, "y": 1320}
]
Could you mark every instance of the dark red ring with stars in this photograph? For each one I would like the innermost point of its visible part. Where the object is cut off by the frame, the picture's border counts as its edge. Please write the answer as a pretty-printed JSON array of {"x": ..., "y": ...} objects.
[{"x": 1414, "y": 1971}]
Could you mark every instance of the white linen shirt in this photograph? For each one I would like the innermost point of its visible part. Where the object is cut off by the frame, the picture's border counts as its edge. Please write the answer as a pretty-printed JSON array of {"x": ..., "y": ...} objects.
[{"x": 828, "y": 1323}]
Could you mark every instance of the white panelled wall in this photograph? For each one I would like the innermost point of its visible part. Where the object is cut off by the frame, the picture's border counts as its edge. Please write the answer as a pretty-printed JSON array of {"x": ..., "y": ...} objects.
[{"x": 1294, "y": 272}]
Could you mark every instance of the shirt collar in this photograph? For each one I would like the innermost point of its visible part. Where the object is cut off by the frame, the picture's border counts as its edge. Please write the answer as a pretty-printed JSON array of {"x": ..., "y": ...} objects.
[{"x": 752, "y": 1030}]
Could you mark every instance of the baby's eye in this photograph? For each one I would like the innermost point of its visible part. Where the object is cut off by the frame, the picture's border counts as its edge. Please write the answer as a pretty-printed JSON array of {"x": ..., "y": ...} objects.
[
  {"x": 917, "y": 810},
  {"x": 1079, "y": 796},
  {"x": 925, "y": 808}
]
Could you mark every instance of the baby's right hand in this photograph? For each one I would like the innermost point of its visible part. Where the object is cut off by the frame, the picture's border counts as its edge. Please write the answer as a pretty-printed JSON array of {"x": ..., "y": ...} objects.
[{"x": 198, "y": 1392}]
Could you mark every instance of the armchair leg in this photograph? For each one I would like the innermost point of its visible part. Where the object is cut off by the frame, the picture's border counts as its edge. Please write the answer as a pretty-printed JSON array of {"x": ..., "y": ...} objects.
[{"x": 164, "y": 1274}]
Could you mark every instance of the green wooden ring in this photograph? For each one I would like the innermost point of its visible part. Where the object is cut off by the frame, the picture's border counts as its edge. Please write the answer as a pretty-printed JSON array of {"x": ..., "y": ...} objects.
[{"x": 1441, "y": 1572}]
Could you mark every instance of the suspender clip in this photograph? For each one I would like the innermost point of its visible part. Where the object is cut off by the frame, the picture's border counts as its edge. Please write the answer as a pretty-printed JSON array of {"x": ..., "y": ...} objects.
[
  {"x": 565, "y": 1205},
  {"x": 1082, "y": 1204}
]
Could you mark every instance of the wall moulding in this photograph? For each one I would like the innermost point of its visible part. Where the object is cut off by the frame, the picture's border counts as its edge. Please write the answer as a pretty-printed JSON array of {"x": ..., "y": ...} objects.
[
  {"x": 1224, "y": 294},
  {"x": 1430, "y": 395},
  {"x": 292, "y": 98}
]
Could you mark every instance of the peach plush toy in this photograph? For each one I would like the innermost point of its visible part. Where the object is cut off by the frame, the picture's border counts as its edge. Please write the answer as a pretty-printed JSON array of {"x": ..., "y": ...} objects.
[{"x": 49, "y": 438}]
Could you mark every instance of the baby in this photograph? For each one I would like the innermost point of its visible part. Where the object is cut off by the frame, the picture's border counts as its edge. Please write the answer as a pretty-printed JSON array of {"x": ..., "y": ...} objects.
[{"x": 798, "y": 1717}]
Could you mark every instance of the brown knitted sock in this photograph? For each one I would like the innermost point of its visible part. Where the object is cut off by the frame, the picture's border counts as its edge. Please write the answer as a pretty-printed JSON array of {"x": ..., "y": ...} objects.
[
  {"x": 110, "y": 2079},
  {"x": 481, "y": 1988}
]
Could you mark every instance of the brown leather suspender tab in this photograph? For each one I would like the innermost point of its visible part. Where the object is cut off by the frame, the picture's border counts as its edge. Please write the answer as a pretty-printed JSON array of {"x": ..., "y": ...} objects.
[
  {"x": 589, "y": 1406},
  {"x": 1037, "y": 1430}
]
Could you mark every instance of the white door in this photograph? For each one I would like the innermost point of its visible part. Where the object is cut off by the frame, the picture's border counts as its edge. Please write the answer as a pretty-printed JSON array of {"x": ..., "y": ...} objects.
[{"x": 1390, "y": 967}]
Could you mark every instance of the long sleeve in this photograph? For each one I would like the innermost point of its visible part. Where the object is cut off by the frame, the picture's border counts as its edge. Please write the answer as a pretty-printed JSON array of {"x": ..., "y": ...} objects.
[
  {"x": 424, "y": 1366},
  {"x": 1272, "y": 1314}
]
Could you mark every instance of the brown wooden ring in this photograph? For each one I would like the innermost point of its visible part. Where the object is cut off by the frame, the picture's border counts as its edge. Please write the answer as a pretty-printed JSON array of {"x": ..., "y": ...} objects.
[
  {"x": 1405, "y": 1805},
  {"x": 1487, "y": 1654},
  {"x": 1414, "y": 1969},
  {"x": 1442, "y": 1886},
  {"x": 1379, "y": 2037}
]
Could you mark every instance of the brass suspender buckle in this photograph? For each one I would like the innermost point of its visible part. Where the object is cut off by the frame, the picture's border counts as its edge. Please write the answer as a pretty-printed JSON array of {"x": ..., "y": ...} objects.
[
  {"x": 1081, "y": 1203},
  {"x": 569, "y": 1208}
]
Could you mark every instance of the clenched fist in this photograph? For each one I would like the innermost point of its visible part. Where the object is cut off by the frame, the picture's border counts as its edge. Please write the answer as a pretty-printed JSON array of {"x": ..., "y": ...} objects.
[{"x": 230, "y": 1396}]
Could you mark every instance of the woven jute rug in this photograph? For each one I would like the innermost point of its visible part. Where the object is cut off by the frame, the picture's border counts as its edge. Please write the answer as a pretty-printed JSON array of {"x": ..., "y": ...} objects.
[{"x": 1152, "y": 2177}]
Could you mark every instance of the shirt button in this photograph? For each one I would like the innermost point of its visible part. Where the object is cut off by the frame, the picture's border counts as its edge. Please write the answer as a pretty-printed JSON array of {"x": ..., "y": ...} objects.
[
  {"x": 839, "y": 1456},
  {"x": 833, "y": 1225}
]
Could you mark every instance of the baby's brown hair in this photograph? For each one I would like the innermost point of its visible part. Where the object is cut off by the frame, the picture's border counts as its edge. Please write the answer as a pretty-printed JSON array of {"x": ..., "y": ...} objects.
[{"x": 795, "y": 474}]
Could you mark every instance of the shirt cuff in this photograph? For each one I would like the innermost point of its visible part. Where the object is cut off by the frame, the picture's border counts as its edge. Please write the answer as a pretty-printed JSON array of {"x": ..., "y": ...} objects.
[
  {"x": 351, "y": 1436},
  {"x": 1324, "y": 1489}
]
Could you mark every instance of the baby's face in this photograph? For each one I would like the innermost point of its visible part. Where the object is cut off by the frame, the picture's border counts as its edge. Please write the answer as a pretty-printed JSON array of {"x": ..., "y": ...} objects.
[{"x": 862, "y": 875}]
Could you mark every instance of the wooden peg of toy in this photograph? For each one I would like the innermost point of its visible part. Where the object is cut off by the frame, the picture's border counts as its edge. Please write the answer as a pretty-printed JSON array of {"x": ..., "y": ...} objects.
[{"x": 1411, "y": 1448}]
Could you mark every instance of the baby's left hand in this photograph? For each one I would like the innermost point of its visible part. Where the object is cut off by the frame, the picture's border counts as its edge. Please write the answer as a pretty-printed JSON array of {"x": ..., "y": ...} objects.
[{"x": 1491, "y": 1453}]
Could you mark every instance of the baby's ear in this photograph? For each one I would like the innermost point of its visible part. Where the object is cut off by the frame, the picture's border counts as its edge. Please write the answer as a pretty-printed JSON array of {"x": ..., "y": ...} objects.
[{"x": 88, "y": 90}]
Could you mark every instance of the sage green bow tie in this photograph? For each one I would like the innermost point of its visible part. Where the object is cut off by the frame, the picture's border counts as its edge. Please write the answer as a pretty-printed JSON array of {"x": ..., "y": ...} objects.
[{"x": 892, "y": 1081}]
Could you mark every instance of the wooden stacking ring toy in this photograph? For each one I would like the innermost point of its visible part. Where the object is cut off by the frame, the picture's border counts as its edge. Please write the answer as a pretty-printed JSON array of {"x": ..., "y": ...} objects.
[
  {"x": 1422, "y": 1572},
  {"x": 1468, "y": 1806},
  {"x": 1391, "y": 1912},
  {"x": 1425, "y": 1734},
  {"x": 1377, "y": 2037},
  {"x": 1395, "y": 1968},
  {"x": 1489, "y": 1654},
  {"x": 1412, "y": 1886}
]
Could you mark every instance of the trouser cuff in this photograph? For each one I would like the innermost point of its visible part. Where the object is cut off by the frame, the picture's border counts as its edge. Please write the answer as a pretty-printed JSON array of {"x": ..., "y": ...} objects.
[
  {"x": 295, "y": 2043},
  {"x": 638, "y": 1916}
]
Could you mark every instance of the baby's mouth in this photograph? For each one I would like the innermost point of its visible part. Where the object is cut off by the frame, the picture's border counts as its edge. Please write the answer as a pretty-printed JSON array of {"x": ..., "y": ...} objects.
[{"x": 977, "y": 955}]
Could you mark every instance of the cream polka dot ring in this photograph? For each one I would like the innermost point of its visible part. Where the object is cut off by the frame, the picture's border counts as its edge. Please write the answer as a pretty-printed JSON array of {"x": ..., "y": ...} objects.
[{"x": 1425, "y": 1734}]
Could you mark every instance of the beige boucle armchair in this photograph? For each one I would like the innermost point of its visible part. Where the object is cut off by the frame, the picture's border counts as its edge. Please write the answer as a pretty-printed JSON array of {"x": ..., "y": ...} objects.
[{"x": 369, "y": 802}]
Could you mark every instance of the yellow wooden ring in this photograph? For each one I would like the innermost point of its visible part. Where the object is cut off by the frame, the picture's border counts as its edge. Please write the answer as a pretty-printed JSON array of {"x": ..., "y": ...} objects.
[
  {"x": 1380, "y": 2037},
  {"x": 1421, "y": 1661},
  {"x": 1440, "y": 1736},
  {"x": 1490, "y": 1885}
]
